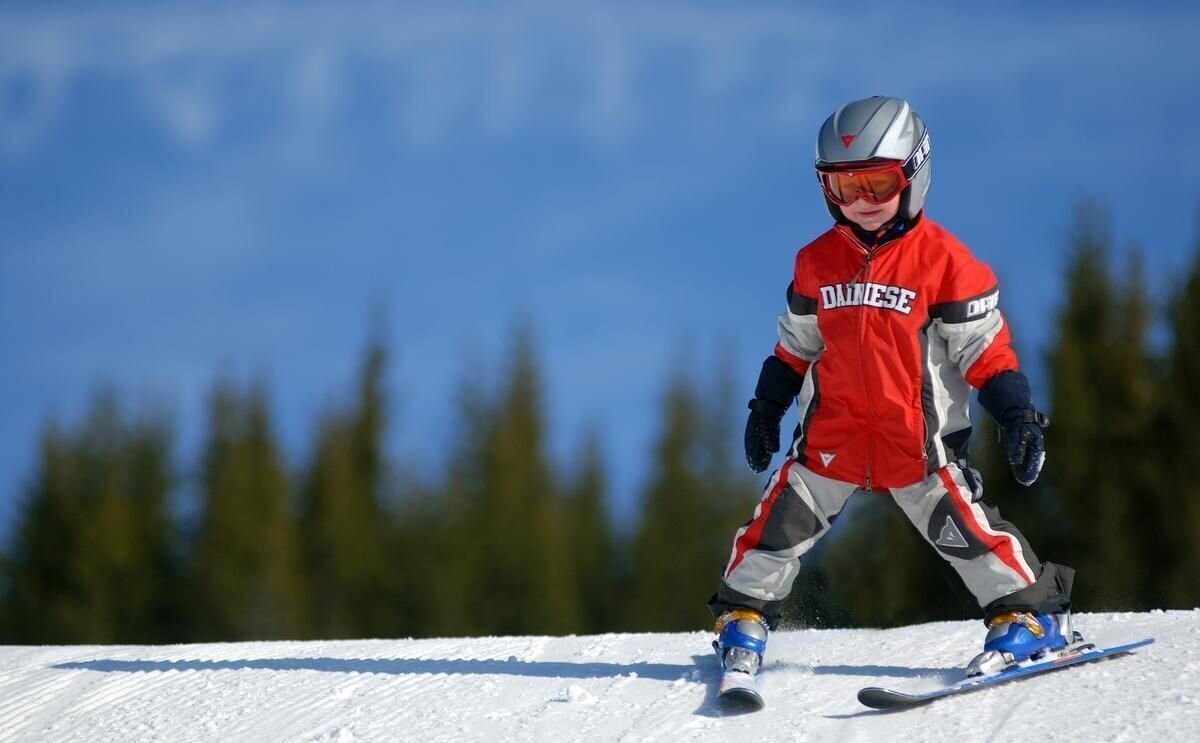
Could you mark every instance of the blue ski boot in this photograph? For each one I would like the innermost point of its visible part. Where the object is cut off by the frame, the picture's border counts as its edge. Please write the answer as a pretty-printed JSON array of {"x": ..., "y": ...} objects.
[
  {"x": 741, "y": 640},
  {"x": 740, "y": 644},
  {"x": 1016, "y": 636}
]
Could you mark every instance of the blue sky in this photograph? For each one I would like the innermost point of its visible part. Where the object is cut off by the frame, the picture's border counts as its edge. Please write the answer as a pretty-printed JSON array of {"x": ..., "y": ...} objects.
[{"x": 190, "y": 190}]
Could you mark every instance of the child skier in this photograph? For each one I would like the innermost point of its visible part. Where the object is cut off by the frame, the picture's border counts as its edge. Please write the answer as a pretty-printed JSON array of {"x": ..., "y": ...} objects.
[{"x": 889, "y": 323}]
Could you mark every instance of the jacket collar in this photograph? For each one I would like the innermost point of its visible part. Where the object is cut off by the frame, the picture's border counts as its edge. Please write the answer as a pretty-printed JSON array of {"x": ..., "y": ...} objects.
[{"x": 872, "y": 242}]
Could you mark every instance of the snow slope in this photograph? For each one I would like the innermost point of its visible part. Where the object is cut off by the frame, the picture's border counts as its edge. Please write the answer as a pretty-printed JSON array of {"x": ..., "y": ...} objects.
[{"x": 644, "y": 687}]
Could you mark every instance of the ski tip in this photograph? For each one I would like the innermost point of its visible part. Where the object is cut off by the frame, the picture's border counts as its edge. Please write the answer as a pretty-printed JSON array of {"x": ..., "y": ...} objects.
[
  {"x": 879, "y": 698},
  {"x": 740, "y": 701}
]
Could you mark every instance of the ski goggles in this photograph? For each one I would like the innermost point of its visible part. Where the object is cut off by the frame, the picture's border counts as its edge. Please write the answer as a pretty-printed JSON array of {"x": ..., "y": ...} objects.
[{"x": 876, "y": 184}]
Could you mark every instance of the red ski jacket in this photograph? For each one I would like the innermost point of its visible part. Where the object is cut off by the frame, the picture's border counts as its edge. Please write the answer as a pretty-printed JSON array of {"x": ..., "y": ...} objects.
[{"x": 889, "y": 340}]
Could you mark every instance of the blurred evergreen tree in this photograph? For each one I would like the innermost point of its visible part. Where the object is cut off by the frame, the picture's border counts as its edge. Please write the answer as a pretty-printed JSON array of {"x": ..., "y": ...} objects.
[
  {"x": 1101, "y": 387},
  {"x": 495, "y": 546},
  {"x": 423, "y": 567},
  {"x": 1176, "y": 561},
  {"x": 152, "y": 610},
  {"x": 521, "y": 515},
  {"x": 246, "y": 577},
  {"x": 347, "y": 554},
  {"x": 51, "y": 595},
  {"x": 676, "y": 554},
  {"x": 594, "y": 549},
  {"x": 449, "y": 551},
  {"x": 92, "y": 559},
  {"x": 694, "y": 500}
]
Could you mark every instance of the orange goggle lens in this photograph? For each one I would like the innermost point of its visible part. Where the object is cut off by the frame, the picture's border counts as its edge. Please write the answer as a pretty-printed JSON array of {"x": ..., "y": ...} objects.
[{"x": 875, "y": 186}]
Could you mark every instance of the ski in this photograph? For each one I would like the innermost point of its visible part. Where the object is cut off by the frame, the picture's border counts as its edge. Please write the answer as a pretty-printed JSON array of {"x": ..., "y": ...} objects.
[
  {"x": 880, "y": 698},
  {"x": 738, "y": 692}
]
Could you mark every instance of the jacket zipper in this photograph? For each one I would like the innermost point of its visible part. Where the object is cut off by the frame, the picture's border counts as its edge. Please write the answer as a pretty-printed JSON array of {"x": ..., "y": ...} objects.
[
  {"x": 862, "y": 367},
  {"x": 865, "y": 272}
]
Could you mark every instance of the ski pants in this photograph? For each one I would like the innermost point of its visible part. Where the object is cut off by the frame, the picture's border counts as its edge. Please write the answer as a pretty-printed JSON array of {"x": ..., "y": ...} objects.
[{"x": 990, "y": 555}]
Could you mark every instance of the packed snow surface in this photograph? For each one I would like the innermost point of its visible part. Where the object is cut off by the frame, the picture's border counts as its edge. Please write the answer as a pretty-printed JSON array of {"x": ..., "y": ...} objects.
[{"x": 640, "y": 687}]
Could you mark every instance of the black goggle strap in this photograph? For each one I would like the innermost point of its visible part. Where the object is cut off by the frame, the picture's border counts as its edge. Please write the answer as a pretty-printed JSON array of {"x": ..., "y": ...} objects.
[{"x": 918, "y": 158}]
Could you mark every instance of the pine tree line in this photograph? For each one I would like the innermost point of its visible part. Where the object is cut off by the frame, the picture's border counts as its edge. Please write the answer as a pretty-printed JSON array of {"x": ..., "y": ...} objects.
[
  {"x": 347, "y": 545},
  {"x": 506, "y": 541}
]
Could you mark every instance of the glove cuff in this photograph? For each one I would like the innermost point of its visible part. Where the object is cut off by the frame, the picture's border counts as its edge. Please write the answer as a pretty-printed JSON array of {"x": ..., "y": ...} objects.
[
  {"x": 768, "y": 408},
  {"x": 778, "y": 383},
  {"x": 1006, "y": 396}
]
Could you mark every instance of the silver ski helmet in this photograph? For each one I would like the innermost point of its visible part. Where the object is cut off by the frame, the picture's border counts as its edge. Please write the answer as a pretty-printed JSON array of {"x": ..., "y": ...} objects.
[{"x": 872, "y": 132}]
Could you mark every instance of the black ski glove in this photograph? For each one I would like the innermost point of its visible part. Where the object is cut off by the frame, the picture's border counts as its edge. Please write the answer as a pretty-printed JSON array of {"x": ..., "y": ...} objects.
[
  {"x": 762, "y": 433},
  {"x": 777, "y": 386},
  {"x": 1007, "y": 398}
]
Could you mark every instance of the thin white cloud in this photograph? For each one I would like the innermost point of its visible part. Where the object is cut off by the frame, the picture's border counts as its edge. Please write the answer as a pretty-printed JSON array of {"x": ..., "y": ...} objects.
[{"x": 502, "y": 67}]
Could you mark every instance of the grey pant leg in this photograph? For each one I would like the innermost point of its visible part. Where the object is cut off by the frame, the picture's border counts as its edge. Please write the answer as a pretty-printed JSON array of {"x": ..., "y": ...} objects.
[
  {"x": 990, "y": 555},
  {"x": 795, "y": 511}
]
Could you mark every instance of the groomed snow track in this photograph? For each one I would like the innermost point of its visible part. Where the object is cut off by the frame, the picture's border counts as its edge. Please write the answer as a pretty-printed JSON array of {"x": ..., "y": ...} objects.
[{"x": 640, "y": 687}]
